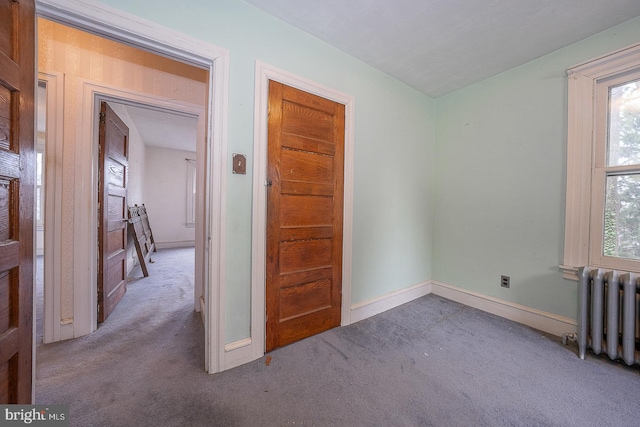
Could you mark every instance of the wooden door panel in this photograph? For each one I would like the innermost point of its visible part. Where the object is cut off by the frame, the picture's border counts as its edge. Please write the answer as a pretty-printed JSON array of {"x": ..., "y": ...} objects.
[
  {"x": 303, "y": 233},
  {"x": 5, "y": 210},
  {"x": 5, "y": 117},
  {"x": 115, "y": 286},
  {"x": 296, "y": 142},
  {"x": 305, "y": 326},
  {"x": 302, "y": 299},
  {"x": 294, "y": 278},
  {"x": 6, "y": 379},
  {"x": 304, "y": 255},
  {"x": 116, "y": 173},
  {"x": 10, "y": 170},
  {"x": 118, "y": 146},
  {"x": 307, "y": 122},
  {"x": 304, "y": 215},
  {"x": 116, "y": 208},
  {"x": 115, "y": 242},
  {"x": 306, "y": 211},
  {"x": 113, "y": 215},
  {"x": 8, "y": 21},
  {"x": 17, "y": 172},
  {"x": 5, "y": 302},
  {"x": 306, "y": 167},
  {"x": 314, "y": 189},
  {"x": 309, "y": 100}
]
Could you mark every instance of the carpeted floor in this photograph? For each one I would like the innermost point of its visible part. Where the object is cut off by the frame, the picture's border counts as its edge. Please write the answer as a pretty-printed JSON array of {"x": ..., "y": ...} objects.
[{"x": 431, "y": 362}]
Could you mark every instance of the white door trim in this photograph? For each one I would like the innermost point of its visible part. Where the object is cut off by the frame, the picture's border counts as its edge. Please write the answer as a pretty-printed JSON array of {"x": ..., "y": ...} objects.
[
  {"x": 264, "y": 73},
  {"x": 86, "y": 169},
  {"x": 99, "y": 19},
  {"x": 54, "y": 326}
]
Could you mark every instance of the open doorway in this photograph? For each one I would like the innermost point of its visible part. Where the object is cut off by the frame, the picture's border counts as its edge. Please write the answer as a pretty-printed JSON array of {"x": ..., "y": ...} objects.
[
  {"x": 151, "y": 37},
  {"x": 69, "y": 234}
]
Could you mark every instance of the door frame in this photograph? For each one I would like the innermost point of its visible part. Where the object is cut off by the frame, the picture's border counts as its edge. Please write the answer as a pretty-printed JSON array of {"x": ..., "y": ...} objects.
[
  {"x": 92, "y": 96},
  {"x": 53, "y": 323},
  {"x": 111, "y": 23},
  {"x": 264, "y": 73}
]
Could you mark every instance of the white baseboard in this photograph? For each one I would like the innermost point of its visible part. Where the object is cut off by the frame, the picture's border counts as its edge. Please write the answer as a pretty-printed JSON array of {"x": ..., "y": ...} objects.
[
  {"x": 237, "y": 353},
  {"x": 388, "y": 301},
  {"x": 172, "y": 245},
  {"x": 534, "y": 318},
  {"x": 537, "y": 319},
  {"x": 240, "y": 352}
]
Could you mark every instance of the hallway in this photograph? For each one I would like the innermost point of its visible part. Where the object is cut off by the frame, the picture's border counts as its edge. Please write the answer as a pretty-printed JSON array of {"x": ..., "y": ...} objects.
[{"x": 154, "y": 325}]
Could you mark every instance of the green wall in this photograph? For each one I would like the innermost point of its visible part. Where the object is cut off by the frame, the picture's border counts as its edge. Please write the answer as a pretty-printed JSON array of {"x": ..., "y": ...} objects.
[
  {"x": 394, "y": 146},
  {"x": 501, "y": 175},
  {"x": 460, "y": 190}
]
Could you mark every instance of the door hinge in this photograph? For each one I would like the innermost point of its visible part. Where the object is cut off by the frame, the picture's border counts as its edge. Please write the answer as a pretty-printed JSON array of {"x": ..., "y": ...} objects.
[{"x": 103, "y": 117}]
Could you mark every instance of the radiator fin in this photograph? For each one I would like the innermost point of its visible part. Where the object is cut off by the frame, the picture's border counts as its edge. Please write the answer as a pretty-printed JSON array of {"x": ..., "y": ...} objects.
[{"x": 609, "y": 321}]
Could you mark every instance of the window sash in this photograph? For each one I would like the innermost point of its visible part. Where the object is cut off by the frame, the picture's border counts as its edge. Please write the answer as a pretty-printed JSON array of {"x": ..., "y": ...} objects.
[
  {"x": 601, "y": 173},
  {"x": 191, "y": 193},
  {"x": 581, "y": 147}
]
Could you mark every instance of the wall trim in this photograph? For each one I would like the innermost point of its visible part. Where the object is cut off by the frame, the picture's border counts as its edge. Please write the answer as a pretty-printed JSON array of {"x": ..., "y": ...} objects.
[
  {"x": 90, "y": 94},
  {"x": 180, "y": 244},
  {"x": 263, "y": 74},
  {"x": 534, "y": 318},
  {"x": 52, "y": 316},
  {"x": 237, "y": 353},
  {"x": 528, "y": 316},
  {"x": 371, "y": 307}
]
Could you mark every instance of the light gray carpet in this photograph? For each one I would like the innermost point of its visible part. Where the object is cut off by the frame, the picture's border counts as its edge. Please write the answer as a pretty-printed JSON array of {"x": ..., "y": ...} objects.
[{"x": 431, "y": 362}]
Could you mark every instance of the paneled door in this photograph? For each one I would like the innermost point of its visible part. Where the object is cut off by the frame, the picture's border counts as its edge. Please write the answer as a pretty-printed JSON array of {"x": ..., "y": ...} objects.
[
  {"x": 113, "y": 211},
  {"x": 304, "y": 215},
  {"x": 17, "y": 173}
]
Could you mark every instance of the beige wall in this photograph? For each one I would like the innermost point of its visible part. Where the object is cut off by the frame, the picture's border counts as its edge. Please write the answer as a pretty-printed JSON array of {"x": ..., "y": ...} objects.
[
  {"x": 81, "y": 57},
  {"x": 165, "y": 188}
]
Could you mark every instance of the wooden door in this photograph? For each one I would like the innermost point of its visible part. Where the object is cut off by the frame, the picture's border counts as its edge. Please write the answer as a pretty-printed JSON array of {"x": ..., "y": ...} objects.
[
  {"x": 112, "y": 211},
  {"x": 304, "y": 215},
  {"x": 17, "y": 172}
]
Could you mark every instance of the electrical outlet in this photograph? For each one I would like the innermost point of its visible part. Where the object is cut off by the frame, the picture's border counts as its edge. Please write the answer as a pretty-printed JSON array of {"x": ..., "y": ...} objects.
[{"x": 504, "y": 281}]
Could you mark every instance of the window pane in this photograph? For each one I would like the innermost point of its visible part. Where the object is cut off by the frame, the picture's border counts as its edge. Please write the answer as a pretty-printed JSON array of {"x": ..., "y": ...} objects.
[
  {"x": 622, "y": 217},
  {"x": 39, "y": 169},
  {"x": 38, "y": 205},
  {"x": 624, "y": 125}
]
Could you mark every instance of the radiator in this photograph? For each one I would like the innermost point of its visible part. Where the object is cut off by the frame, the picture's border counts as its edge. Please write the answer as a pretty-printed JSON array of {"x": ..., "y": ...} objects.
[{"x": 609, "y": 320}]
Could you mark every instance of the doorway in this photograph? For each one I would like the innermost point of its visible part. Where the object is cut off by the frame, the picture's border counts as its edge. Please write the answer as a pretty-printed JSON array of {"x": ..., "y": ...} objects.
[
  {"x": 201, "y": 55},
  {"x": 304, "y": 215},
  {"x": 264, "y": 74}
]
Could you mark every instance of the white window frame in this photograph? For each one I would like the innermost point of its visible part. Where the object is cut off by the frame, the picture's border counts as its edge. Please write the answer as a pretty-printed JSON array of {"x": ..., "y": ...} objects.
[
  {"x": 582, "y": 136},
  {"x": 40, "y": 149},
  {"x": 191, "y": 193}
]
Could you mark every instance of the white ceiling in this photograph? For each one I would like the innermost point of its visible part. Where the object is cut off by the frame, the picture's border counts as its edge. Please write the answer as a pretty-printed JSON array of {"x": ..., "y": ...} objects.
[
  {"x": 435, "y": 46},
  {"x": 439, "y": 46},
  {"x": 164, "y": 129}
]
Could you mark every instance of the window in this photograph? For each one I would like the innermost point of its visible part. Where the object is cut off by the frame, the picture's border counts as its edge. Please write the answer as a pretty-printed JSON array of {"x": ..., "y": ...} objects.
[
  {"x": 40, "y": 152},
  {"x": 191, "y": 193},
  {"x": 602, "y": 225},
  {"x": 40, "y": 188}
]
